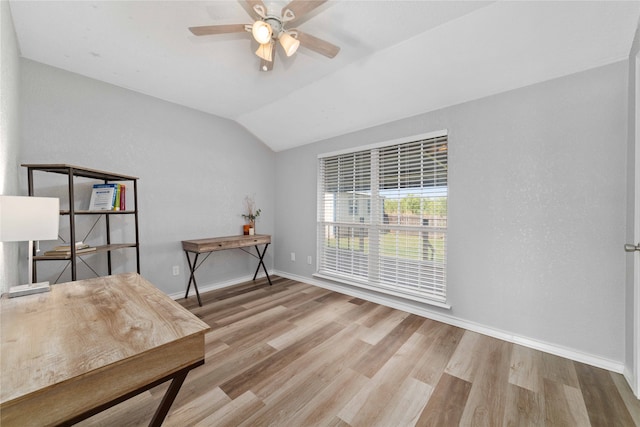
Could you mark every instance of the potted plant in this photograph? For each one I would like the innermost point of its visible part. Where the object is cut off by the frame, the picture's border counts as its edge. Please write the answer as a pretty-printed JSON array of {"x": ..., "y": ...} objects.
[{"x": 251, "y": 215}]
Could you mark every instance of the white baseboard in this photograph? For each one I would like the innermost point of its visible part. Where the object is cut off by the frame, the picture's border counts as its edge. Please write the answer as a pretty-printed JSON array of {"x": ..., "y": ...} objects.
[
  {"x": 569, "y": 353},
  {"x": 632, "y": 381},
  {"x": 219, "y": 285},
  {"x": 572, "y": 354}
]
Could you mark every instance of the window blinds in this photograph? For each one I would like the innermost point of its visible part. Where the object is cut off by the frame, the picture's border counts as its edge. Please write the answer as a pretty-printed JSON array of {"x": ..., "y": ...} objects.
[{"x": 382, "y": 218}]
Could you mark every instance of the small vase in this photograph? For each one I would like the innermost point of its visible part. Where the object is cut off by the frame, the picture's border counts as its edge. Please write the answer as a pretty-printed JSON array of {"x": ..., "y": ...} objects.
[{"x": 246, "y": 229}]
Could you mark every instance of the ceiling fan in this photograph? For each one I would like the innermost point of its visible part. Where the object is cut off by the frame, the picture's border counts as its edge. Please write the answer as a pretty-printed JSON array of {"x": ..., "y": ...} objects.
[{"x": 270, "y": 26}]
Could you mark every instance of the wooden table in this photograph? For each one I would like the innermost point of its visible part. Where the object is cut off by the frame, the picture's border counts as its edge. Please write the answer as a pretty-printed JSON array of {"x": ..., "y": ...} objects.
[
  {"x": 201, "y": 246},
  {"x": 87, "y": 345}
]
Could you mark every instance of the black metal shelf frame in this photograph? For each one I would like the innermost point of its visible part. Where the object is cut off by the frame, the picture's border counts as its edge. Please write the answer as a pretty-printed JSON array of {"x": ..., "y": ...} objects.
[{"x": 106, "y": 177}]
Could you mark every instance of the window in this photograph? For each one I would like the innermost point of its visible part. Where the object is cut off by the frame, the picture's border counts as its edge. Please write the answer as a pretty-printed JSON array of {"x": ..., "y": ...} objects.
[
  {"x": 382, "y": 217},
  {"x": 353, "y": 207}
]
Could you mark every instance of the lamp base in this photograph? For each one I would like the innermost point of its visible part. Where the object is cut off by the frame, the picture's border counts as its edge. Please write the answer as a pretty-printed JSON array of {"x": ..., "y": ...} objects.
[{"x": 28, "y": 289}]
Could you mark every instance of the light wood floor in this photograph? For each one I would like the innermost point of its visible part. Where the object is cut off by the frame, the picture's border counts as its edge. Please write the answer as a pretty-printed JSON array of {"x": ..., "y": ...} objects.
[{"x": 297, "y": 355}]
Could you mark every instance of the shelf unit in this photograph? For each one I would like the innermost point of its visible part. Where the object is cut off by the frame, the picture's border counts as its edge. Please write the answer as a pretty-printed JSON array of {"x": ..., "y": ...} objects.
[{"x": 77, "y": 171}]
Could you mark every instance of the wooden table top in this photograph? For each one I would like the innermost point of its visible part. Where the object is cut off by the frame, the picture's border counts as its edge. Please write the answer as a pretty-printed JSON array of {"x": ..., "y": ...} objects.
[
  {"x": 87, "y": 341},
  {"x": 221, "y": 243}
]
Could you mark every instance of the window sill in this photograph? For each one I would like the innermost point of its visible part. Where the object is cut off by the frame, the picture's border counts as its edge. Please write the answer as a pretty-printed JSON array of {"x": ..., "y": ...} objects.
[{"x": 384, "y": 291}]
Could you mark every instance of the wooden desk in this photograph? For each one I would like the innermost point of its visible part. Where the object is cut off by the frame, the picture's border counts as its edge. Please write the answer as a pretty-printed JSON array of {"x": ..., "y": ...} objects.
[
  {"x": 213, "y": 244},
  {"x": 90, "y": 344}
]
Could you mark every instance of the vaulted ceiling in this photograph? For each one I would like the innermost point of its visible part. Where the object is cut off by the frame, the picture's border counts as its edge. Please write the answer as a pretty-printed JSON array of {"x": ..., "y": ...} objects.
[{"x": 397, "y": 58}]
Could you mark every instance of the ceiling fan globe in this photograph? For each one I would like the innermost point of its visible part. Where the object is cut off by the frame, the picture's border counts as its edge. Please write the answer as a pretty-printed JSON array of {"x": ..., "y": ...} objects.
[
  {"x": 288, "y": 43},
  {"x": 265, "y": 51},
  {"x": 261, "y": 32}
]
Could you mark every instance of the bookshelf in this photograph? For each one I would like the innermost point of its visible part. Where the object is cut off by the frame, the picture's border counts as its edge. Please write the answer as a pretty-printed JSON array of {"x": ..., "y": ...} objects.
[{"x": 70, "y": 214}]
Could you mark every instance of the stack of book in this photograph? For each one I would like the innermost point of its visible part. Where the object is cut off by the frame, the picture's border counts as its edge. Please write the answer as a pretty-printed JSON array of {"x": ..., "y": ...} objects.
[
  {"x": 65, "y": 250},
  {"x": 108, "y": 197}
]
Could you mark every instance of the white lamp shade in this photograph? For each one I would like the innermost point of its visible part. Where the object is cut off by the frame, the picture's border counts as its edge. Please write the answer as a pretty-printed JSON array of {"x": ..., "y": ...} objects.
[
  {"x": 265, "y": 51},
  {"x": 29, "y": 218},
  {"x": 261, "y": 32},
  {"x": 290, "y": 44}
]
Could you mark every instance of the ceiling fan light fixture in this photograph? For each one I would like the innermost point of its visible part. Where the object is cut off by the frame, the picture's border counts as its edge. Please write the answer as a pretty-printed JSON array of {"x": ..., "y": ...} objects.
[
  {"x": 289, "y": 43},
  {"x": 261, "y": 32},
  {"x": 265, "y": 51},
  {"x": 269, "y": 25}
]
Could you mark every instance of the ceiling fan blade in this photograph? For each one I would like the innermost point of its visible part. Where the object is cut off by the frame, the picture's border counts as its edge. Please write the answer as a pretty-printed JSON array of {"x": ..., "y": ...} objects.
[
  {"x": 268, "y": 65},
  {"x": 217, "y": 29},
  {"x": 249, "y": 7},
  {"x": 301, "y": 7},
  {"x": 318, "y": 45}
]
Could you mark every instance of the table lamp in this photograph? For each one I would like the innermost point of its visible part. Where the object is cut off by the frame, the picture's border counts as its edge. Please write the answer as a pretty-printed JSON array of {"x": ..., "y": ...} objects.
[{"x": 28, "y": 219}]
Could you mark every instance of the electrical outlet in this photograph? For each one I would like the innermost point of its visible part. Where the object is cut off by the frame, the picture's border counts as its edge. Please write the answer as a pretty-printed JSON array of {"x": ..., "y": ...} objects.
[
  {"x": 293, "y": 256},
  {"x": 309, "y": 260},
  {"x": 176, "y": 270}
]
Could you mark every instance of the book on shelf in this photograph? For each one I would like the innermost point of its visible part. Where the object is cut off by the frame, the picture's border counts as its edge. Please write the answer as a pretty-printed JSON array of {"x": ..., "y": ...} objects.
[
  {"x": 67, "y": 246},
  {"x": 116, "y": 202},
  {"x": 123, "y": 203},
  {"x": 67, "y": 251},
  {"x": 103, "y": 197},
  {"x": 108, "y": 197}
]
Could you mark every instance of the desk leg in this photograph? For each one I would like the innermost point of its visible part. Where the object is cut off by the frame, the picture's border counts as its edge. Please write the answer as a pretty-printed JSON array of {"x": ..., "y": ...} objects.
[
  {"x": 260, "y": 257},
  {"x": 168, "y": 399},
  {"x": 177, "y": 378},
  {"x": 192, "y": 276}
]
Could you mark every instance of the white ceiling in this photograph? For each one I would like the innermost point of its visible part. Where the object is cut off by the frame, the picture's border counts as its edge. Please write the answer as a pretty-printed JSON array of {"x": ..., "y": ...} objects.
[{"x": 397, "y": 58}]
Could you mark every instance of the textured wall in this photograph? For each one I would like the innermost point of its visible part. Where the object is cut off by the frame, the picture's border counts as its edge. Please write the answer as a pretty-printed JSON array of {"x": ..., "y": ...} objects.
[
  {"x": 537, "y": 192},
  {"x": 9, "y": 137},
  {"x": 633, "y": 222},
  {"x": 536, "y": 203},
  {"x": 195, "y": 170}
]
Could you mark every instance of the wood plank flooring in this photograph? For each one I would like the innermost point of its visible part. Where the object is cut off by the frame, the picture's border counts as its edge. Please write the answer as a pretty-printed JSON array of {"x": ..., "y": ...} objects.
[{"x": 293, "y": 354}]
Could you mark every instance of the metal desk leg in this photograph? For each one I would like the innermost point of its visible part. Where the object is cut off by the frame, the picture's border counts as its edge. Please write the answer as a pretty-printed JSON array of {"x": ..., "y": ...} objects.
[
  {"x": 260, "y": 257},
  {"x": 168, "y": 399},
  {"x": 177, "y": 378},
  {"x": 192, "y": 276}
]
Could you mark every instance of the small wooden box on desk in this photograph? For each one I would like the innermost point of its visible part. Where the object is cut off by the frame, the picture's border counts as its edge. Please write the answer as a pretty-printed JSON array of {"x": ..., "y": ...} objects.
[{"x": 90, "y": 344}]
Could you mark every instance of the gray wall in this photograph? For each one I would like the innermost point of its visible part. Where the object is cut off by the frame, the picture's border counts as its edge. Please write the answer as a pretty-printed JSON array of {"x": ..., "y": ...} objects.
[
  {"x": 632, "y": 220},
  {"x": 537, "y": 208},
  {"x": 537, "y": 193},
  {"x": 9, "y": 136},
  {"x": 195, "y": 170}
]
